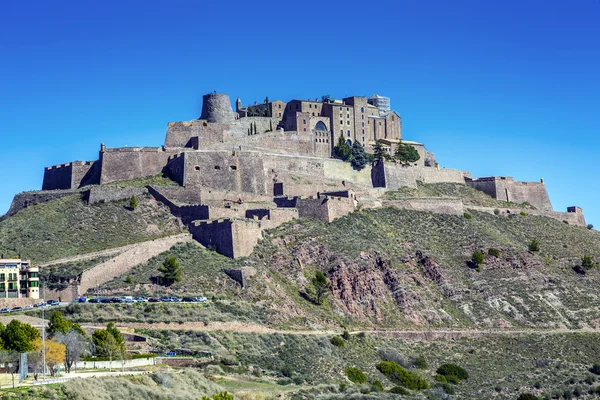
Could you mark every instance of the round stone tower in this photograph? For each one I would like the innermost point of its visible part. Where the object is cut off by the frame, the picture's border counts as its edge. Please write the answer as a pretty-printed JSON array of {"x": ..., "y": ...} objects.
[{"x": 216, "y": 107}]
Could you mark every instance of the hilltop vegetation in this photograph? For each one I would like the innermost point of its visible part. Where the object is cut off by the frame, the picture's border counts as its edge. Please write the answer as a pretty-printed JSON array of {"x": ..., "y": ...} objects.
[{"x": 67, "y": 227}]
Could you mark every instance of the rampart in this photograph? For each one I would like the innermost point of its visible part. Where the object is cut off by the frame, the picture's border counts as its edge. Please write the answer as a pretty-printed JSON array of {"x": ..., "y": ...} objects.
[
  {"x": 28, "y": 199},
  {"x": 506, "y": 189},
  {"x": 323, "y": 207},
  {"x": 104, "y": 194},
  {"x": 231, "y": 237},
  {"x": 132, "y": 162},
  {"x": 438, "y": 206},
  {"x": 71, "y": 175},
  {"x": 187, "y": 213},
  {"x": 574, "y": 215}
]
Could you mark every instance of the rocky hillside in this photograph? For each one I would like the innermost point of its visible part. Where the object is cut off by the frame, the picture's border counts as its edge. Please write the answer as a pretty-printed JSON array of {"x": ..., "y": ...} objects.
[{"x": 404, "y": 269}]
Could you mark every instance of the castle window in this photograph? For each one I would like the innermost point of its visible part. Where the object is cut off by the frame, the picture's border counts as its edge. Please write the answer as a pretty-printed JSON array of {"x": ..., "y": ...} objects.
[
  {"x": 348, "y": 133},
  {"x": 233, "y": 167},
  {"x": 316, "y": 140},
  {"x": 217, "y": 167},
  {"x": 310, "y": 106},
  {"x": 347, "y": 115},
  {"x": 347, "y": 108},
  {"x": 197, "y": 168},
  {"x": 341, "y": 122},
  {"x": 341, "y": 131},
  {"x": 393, "y": 118},
  {"x": 280, "y": 107},
  {"x": 362, "y": 109},
  {"x": 363, "y": 117},
  {"x": 304, "y": 121},
  {"x": 363, "y": 124},
  {"x": 280, "y": 114},
  {"x": 340, "y": 108},
  {"x": 313, "y": 114},
  {"x": 363, "y": 132},
  {"x": 348, "y": 122},
  {"x": 304, "y": 129}
]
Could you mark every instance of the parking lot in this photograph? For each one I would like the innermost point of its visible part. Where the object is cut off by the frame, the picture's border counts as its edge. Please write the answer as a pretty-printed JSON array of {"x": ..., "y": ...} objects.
[{"x": 106, "y": 300}]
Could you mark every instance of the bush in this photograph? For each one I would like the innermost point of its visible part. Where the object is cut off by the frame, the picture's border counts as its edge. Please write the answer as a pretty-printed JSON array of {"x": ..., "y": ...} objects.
[
  {"x": 467, "y": 216},
  {"x": 337, "y": 341},
  {"x": 453, "y": 370},
  {"x": 401, "y": 376},
  {"x": 587, "y": 262},
  {"x": 399, "y": 390},
  {"x": 346, "y": 335},
  {"x": 527, "y": 396},
  {"x": 377, "y": 387},
  {"x": 494, "y": 252},
  {"x": 477, "y": 258},
  {"x": 534, "y": 245},
  {"x": 595, "y": 369},
  {"x": 523, "y": 213},
  {"x": 496, "y": 211},
  {"x": 447, "y": 388},
  {"x": 452, "y": 379},
  {"x": 440, "y": 378},
  {"x": 356, "y": 375},
  {"x": 421, "y": 363},
  {"x": 287, "y": 371}
]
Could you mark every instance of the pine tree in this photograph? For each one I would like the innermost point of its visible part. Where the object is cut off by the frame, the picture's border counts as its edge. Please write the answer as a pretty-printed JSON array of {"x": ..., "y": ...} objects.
[
  {"x": 133, "y": 202},
  {"x": 406, "y": 153},
  {"x": 342, "y": 150},
  {"x": 171, "y": 271},
  {"x": 321, "y": 286},
  {"x": 255, "y": 131},
  {"x": 378, "y": 151},
  {"x": 359, "y": 156},
  {"x": 271, "y": 126}
]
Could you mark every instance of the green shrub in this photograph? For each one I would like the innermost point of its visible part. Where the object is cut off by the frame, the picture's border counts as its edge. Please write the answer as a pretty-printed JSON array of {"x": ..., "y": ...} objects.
[
  {"x": 356, "y": 375},
  {"x": 527, "y": 396},
  {"x": 468, "y": 216},
  {"x": 399, "y": 390},
  {"x": 494, "y": 252},
  {"x": 595, "y": 369},
  {"x": 337, "y": 341},
  {"x": 446, "y": 387},
  {"x": 440, "y": 378},
  {"x": 401, "y": 376},
  {"x": 534, "y": 245},
  {"x": 452, "y": 379},
  {"x": 453, "y": 370},
  {"x": 421, "y": 363},
  {"x": 346, "y": 335},
  {"x": 587, "y": 262},
  {"x": 377, "y": 387},
  {"x": 523, "y": 213},
  {"x": 287, "y": 371},
  {"x": 477, "y": 258},
  {"x": 496, "y": 211}
]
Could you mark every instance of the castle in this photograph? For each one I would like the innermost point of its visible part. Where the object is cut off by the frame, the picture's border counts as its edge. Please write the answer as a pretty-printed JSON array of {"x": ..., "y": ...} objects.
[{"x": 251, "y": 169}]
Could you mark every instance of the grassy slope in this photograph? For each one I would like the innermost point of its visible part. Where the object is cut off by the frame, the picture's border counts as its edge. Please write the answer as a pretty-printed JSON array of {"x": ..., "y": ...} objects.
[
  {"x": 68, "y": 227},
  {"x": 58, "y": 276},
  {"x": 499, "y": 367},
  {"x": 519, "y": 288},
  {"x": 468, "y": 194}
]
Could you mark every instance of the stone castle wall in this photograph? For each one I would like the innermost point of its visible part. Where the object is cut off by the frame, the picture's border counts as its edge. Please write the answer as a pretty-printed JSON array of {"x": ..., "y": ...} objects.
[
  {"x": 506, "y": 189},
  {"x": 231, "y": 237},
  {"x": 132, "y": 163},
  {"x": 438, "y": 206},
  {"x": 216, "y": 107},
  {"x": 572, "y": 218},
  {"x": 28, "y": 199},
  {"x": 104, "y": 194}
]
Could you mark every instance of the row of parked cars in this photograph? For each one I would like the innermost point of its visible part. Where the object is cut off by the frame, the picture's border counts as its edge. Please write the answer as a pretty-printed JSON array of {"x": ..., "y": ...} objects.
[
  {"x": 131, "y": 299},
  {"x": 25, "y": 308}
]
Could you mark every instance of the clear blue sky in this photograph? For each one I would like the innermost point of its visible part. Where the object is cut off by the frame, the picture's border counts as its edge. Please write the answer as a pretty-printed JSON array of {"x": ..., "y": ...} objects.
[{"x": 493, "y": 87}]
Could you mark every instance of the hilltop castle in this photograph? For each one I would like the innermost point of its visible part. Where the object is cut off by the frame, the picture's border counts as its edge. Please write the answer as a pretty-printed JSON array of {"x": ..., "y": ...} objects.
[{"x": 247, "y": 170}]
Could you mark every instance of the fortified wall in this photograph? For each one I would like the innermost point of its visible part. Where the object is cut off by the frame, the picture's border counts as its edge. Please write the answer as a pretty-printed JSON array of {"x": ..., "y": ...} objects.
[{"x": 506, "y": 189}]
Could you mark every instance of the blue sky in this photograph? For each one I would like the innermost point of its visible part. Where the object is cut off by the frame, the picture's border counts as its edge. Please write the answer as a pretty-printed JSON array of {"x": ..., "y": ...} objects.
[{"x": 492, "y": 87}]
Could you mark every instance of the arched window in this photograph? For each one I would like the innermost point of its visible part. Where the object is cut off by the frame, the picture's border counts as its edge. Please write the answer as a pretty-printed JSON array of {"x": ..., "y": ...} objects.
[{"x": 321, "y": 126}]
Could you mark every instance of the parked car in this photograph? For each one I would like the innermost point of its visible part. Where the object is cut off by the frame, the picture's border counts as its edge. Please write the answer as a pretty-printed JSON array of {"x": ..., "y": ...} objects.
[
  {"x": 5, "y": 310},
  {"x": 188, "y": 299},
  {"x": 175, "y": 299},
  {"x": 140, "y": 300},
  {"x": 29, "y": 307},
  {"x": 106, "y": 300},
  {"x": 40, "y": 304},
  {"x": 82, "y": 300},
  {"x": 200, "y": 299},
  {"x": 96, "y": 300},
  {"x": 165, "y": 299},
  {"x": 16, "y": 309},
  {"x": 126, "y": 300},
  {"x": 53, "y": 303},
  {"x": 153, "y": 300}
]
